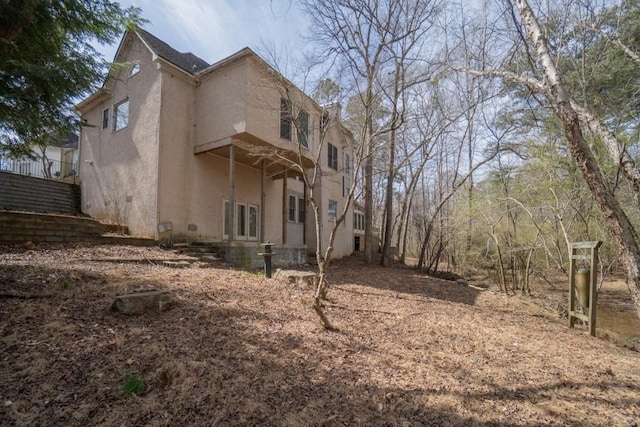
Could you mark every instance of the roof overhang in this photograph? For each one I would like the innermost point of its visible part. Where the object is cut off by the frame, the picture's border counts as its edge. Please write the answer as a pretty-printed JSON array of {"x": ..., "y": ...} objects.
[{"x": 278, "y": 160}]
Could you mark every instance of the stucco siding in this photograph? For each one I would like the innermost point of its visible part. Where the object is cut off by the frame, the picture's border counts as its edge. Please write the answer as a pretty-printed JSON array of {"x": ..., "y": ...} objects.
[
  {"x": 176, "y": 174},
  {"x": 220, "y": 104},
  {"x": 118, "y": 169}
]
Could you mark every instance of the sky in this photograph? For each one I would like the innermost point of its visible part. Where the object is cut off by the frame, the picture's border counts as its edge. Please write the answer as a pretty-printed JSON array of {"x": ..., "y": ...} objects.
[{"x": 215, "y": 29}]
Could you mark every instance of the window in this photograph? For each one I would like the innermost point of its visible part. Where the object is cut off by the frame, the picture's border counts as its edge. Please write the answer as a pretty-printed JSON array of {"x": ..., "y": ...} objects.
[
  {"x": 226, "y": 219},
  {"x": 247, "y": 221},
  {"x": 332, "y": 213},
  {"x": 241, "y": 220},
  {"x": 105, "y": 118},
  {"x": 292, "y": 208},
  {"x": 253, "y": 222},
  {"x": 347, "y": 164},
  {"x": 302, "y": 125},
  {"x": 296, "y": 209},
  {"x": 324, "y": 123},
  {"x": 346, "y": 186},
  {"x": 135, "y": 69},
  {"x": 121, "y": 115},
  {"x": 285, "y": 119},
  {"x": 358, "y": 221},
  {"x": 333, "y": 156},
  {"x": 300, "y": 210}
]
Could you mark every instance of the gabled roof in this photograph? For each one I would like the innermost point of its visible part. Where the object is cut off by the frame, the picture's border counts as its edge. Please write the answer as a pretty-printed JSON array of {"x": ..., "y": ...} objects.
[{"x": 187, "y": 61}]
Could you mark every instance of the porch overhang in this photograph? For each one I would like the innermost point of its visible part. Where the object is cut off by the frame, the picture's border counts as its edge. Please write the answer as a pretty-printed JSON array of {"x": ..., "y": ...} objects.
[{"x": 279, "y": 160}]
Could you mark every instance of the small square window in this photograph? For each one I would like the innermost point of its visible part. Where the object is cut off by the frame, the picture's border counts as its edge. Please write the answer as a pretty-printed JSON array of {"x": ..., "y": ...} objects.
[
  {"x": 105, "y": 118},
  {"x": 121, "y": 115}
]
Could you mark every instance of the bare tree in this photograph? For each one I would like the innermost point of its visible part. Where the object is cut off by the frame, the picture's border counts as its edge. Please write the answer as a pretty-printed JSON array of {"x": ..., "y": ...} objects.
[{"x": 361, "y": 35}]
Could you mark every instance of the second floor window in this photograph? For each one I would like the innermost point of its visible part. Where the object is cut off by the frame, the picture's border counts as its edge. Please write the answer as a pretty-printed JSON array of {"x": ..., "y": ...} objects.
[
  {"x": 332, "y": 160},
  {"x": 105, "y": 118},
  {"x": 285, "y": 119},
  {"x": 302, "y": 125},
  {"x": 121, "y": 115}
]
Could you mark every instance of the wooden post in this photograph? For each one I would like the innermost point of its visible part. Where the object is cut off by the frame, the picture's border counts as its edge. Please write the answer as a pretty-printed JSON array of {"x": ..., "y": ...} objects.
[
  {"x": 263, "y": 179},
  {"x": 284, "y": 207},
  {"x": 304, "y": 218},
  {"x": 572, "y": 286},
  {"x": 593, "y": 294},
  {"x": 231, "y": 196}
]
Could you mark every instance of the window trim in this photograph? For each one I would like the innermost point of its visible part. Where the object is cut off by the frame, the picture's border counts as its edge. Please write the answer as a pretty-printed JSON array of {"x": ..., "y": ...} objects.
[
  {"x": 248, "y": 207},
  {"x": 332, "y": 214},
  {"x": 285, "y": 119},
  {"x": 332, "y": 156},
  {"x": 292, "y": 208},
  {"x": 358, "y": 222},
  {"x": 302, "y": 129},
  {"x": 298, "y": 209},
  {"x": 106, "y": 115},
  {"x": 115, "y": 115},
  {"x": 135, "y": 69}
]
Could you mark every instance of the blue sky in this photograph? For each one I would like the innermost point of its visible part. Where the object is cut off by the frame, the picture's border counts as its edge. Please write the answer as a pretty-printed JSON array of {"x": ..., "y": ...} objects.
[{"x": 215, "y": 29}]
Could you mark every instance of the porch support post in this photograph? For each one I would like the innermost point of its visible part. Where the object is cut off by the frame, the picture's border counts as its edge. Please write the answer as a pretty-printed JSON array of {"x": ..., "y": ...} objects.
[
  {"x": 231, "y": 200},
  {"x": 304, "y": 218},
  {"x": 263, "y": 179},
  {"x": 284, "y": 207}
]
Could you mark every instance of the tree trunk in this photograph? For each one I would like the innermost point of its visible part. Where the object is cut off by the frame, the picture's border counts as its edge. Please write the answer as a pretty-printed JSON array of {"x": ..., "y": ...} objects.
[
  {"x": 368, "y": 196},
  {"x": 617, "y": 221}
]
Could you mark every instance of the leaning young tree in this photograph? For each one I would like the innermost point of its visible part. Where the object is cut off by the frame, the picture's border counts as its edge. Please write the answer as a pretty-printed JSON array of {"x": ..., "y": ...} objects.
[
  {"x": 574, "y": 120},
  {"x": 311, "y": 136}
]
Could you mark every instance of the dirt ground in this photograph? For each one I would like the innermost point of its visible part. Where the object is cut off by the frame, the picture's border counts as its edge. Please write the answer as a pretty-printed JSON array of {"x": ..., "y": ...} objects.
[{"x": 239, "y": 349}]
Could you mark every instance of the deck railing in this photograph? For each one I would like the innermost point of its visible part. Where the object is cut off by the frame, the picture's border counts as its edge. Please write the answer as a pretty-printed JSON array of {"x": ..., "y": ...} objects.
[{"x": 50, "y": 169}]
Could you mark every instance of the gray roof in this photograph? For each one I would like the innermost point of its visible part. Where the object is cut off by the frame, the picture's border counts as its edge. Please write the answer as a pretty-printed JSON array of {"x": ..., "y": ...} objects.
[
  {"x": 68, "y": 140},
  {"x": 186, "y": 61}
]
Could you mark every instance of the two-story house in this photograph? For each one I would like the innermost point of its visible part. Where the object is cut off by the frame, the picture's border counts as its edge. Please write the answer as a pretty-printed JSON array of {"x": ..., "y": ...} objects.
[{"x": 175, "y": 147}]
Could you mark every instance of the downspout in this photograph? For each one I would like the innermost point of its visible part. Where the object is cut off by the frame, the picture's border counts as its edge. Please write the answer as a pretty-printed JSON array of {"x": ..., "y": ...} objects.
[{"x": 156, "y": 233}]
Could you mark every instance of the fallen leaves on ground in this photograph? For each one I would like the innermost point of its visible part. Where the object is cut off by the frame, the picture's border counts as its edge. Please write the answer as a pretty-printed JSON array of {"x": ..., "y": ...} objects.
[{"x": 238, "y": 349}]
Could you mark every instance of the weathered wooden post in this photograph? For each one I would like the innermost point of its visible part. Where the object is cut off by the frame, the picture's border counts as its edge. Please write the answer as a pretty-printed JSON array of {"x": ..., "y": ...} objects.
[{"x": 586, "y": 284}]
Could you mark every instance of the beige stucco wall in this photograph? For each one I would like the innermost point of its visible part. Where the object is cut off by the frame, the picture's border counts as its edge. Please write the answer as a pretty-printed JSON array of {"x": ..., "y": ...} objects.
[
  {"x": 148, "y": 173},
  {"x": 220, "y": 104},
  {"x": 175, "y": 178},
  {"x": 118, "y": 170}
]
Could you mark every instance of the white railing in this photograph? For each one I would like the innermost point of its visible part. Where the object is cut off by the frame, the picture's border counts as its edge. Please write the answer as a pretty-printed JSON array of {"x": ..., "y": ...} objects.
[{"x": 51, "y": 169}]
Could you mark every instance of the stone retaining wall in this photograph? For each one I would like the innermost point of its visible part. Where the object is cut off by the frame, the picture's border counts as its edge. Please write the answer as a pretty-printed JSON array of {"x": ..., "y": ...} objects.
[
  {"x": 20, "y": 227},
  {"x": 26, "y": 193}
]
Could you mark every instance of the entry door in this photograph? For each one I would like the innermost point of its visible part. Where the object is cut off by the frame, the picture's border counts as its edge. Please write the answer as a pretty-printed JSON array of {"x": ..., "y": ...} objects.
[{"x": 247, "y": 221}]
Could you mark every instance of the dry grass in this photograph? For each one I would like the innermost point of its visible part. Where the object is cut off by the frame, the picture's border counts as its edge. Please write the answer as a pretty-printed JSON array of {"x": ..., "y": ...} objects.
[{"x": 236, "y": 349}]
